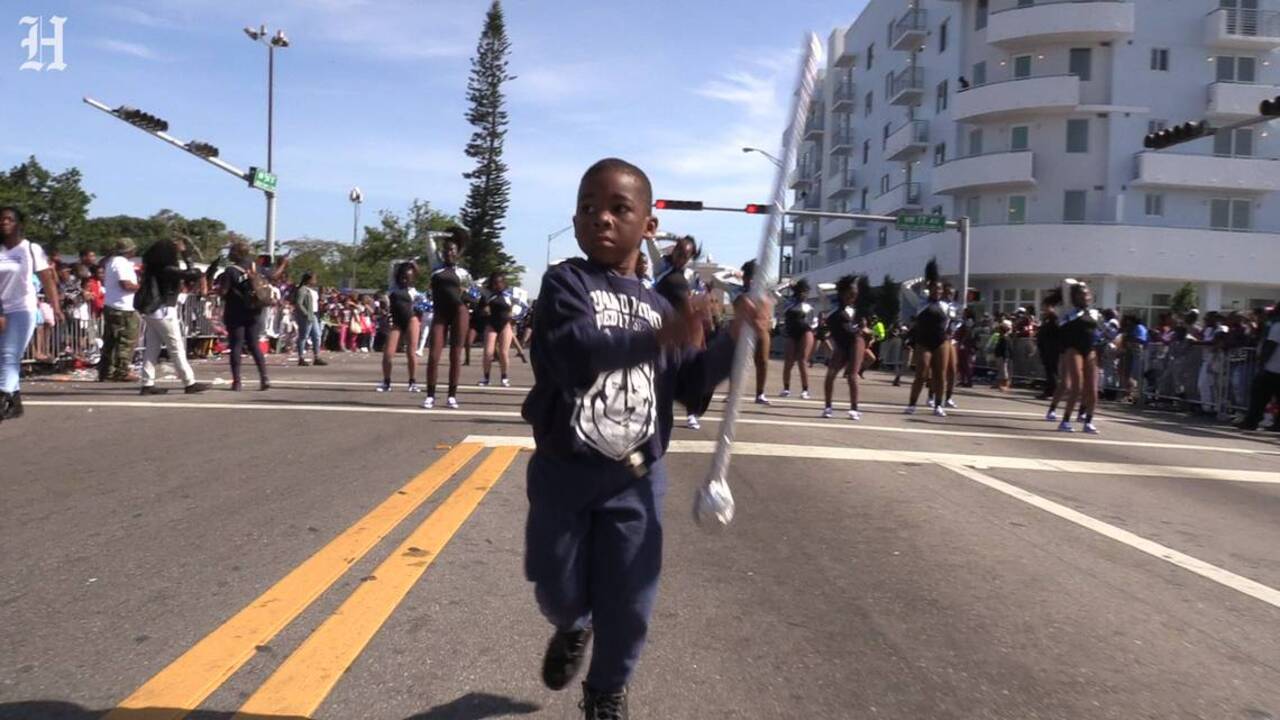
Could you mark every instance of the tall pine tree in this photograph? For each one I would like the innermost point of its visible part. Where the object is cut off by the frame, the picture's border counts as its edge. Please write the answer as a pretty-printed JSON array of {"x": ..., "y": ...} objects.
[{"x": 490, "y": 192}]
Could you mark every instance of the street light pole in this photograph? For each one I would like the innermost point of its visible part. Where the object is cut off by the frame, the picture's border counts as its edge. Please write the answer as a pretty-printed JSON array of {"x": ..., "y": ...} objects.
[
  {"x": 553, "y": 236},
  {"x": 356, "y": 198},
  {"x": 772, "y": 159},
  {"x": 275, "y": 41}
]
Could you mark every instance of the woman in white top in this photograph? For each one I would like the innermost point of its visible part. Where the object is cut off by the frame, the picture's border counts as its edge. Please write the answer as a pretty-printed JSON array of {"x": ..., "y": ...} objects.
[{"x": 20, "y": 262}]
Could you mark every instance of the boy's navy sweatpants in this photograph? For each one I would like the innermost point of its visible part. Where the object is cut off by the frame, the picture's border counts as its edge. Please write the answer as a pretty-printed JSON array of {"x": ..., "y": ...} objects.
[{"x": 593, "y": 550}]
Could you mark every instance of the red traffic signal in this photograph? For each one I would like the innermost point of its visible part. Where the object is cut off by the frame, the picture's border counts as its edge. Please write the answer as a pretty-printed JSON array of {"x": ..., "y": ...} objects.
[
  {"x": 678, "y": 204},
  {"x": 758, "y": 209}
]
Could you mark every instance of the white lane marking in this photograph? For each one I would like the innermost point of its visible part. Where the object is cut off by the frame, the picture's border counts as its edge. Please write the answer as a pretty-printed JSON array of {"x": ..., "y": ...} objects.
[
  {"x": 826, "y": 424},
  {"x": 273, "y": 406},
  {"x": 995, "y": 462},
  {"x": 1239, "y": 583}
]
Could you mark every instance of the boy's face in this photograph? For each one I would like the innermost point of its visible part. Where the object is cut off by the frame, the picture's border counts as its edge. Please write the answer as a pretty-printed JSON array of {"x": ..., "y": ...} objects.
[{"x": 612, "y": 218}]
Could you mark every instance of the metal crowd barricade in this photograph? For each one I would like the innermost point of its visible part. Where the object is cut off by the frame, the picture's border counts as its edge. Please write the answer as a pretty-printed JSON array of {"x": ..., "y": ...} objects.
[
  {"x": 1025, "y": 365},
  {"x": 1171, "y": 374}
]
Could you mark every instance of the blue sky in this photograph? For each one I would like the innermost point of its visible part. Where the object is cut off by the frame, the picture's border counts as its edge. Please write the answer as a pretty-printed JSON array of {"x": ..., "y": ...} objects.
[{"x": 372, "y": 93}]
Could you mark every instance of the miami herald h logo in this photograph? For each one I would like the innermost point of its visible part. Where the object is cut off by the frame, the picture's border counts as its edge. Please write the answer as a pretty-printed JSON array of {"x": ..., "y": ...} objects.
[{"x": 36, "y": 42}]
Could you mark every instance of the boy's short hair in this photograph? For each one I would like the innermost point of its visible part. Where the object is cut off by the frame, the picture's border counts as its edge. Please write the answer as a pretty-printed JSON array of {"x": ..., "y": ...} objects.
[{"x": 622, "y": 166}]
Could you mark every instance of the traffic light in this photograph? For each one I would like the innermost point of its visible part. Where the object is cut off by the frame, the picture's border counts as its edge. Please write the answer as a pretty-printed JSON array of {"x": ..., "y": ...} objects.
[
  {"x": 1186, "y": 132},
  {"x": 1270, "y": 108},
  {"x": 141, "y": 119},
  {"x": 203, "y": 149},
  {"x": 758, "y": 209},
  {"x": 678, "y": 204}
]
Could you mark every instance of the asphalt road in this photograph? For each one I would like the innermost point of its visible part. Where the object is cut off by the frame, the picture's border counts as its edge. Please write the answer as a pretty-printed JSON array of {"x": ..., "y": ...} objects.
[{"x": 322, "y": 550}]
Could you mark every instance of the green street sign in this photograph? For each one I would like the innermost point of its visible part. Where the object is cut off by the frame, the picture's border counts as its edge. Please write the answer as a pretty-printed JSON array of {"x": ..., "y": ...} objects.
[
  {"x": 262, "y": 179},
  {"x": 931, "y": 223}
]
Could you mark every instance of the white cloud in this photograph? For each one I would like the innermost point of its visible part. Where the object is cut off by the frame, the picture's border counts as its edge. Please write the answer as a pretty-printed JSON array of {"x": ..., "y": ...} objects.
[{"x": 126, "y": 48}]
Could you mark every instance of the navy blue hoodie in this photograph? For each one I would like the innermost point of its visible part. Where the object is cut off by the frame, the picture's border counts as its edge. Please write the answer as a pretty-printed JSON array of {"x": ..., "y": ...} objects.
[{"x": 603, "y": 390}]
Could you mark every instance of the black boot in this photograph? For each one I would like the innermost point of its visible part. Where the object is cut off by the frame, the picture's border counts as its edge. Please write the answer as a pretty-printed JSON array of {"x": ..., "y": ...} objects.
[
  {"x": 15, "y": 406},
  {"x": 5, "y": 401},
  {"x": 598, "y": 705},
  {"x": 564, "y": 656}
]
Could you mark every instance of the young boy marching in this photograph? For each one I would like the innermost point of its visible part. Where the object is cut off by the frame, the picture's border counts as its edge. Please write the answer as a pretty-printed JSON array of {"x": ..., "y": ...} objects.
[{"x": 610, "y": 358}]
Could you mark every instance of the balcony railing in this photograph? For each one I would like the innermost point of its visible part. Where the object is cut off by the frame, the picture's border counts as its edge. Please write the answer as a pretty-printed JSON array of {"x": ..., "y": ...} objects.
[
  {"x": 899, "y": 197},
  {"x": 1060, "y": 21},
  {"x": 843, "y": 96},
  {"x": 1243, "y": 28},
  {"x": 909, "y": 138},
  {"x": 909, "y": 31},
  {"x": 815, "y": 126},
  {"x": 842, "y": 140},
  {"x": 907, "y": 86},
  {"x": 813, "y": 199},
  {"x": 843, "y": 181}
]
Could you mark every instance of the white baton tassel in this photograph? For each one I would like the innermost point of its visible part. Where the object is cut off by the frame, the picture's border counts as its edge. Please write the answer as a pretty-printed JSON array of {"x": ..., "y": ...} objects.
[{"x": 714, "y": 499}]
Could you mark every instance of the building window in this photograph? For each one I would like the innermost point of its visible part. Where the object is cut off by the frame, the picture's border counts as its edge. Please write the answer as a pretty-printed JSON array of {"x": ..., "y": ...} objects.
[
  {"x": 871, "y": 55},
  {"x": 1237, "y": 143},
  {"x": 1078, "y": 136},
  {"x": 1236, "y": 69},
  {"x": 1073, "y": 206},
  {"x": 1019, "y": 137},
  {"x": 975, "y": 141},
  {"x": 884, "y": 136},
  {"x": 1022, "y": 67},
  {"x": 939, "y": 153},
  {"x": 884, "y": 184},
  {"x": 1017, "y": 209},
  {"x": 868, "y": 103},
  {"x": 973, "y": 208},
  {"x": 941, "y": 102},
  {"x": 866, "y": 151},
  {"x": 882, "y": 237},
  {"x": 942, "y": 36},
  {"x": 980, "y": 15},
  {"x": 1080, "y": 63},
  {"x": 1225, "y": 214},
  {"x": 864, "y": 200},
  {"x": 1154, "y": 204},
  {"x": 1155, "y": 126},
  {"x": 1160, "y": 59},
  {"x": 980, "y": 73}
]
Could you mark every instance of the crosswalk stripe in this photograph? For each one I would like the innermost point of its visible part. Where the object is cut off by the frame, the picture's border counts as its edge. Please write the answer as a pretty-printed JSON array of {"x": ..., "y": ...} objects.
[
  {"x": 995, "y": 462},
  {"x": 180, "y": 688},
  {"x": 1239, "y": 583},
  {"x": 303, "y": 681},
  {"x": 936, "y": 429}
]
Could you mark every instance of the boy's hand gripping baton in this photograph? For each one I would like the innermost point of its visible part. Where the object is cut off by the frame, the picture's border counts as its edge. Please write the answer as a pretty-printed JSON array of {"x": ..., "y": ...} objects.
[{"x": 714, "y": 499}]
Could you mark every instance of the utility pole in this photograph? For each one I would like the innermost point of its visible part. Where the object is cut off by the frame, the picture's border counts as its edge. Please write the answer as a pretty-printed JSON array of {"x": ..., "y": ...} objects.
[{"x": 275, "y": 41}]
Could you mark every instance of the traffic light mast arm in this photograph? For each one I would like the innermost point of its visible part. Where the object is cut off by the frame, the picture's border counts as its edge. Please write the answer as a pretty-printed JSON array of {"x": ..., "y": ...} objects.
[
  {"x": 757, "y": 208},
  {"x": 220, "y": 164},
  {"x": 1191, "y": 131}
]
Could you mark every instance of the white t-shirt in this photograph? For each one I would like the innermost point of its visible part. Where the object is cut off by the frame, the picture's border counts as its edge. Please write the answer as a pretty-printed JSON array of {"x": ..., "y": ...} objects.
[
  {"x": 17, "y": 290},
  {"x": 1273, "y": 364},
  {"x": 119, "y": 269}
]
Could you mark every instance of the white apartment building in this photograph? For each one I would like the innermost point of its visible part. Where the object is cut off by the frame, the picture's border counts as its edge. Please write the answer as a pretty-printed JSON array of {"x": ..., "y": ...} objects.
[{"x": 1028, "y": 117}]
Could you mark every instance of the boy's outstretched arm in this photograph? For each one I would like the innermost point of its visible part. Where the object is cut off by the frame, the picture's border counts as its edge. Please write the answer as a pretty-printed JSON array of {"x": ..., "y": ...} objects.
[
  {"x": 578, "y": 350},
  {"x": 701, "y": 371}
]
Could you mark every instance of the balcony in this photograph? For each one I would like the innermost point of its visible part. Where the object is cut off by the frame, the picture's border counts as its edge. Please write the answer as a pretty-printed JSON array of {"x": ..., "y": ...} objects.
[
  {"x": 909, "y": 31},
  {"x": 1242, "y": 29},
  {"x": 1206, "y": 172},
  {"x": 842, "y": 183},
  {"x": 842, "y": 141},
  {"x": 800, "y": 178},
  {"x": 787, "y": 238},
  {"x": 907, "y": 87},
  {"x": 812, "y": 200},
  {"x": 906, "y": 197},
  {"x": 807, "y": 237},
  {"x": 842, "y": 54},
  {"x": 1234, "y": 101},
  {"x": 842, "y": 96},
  {"x": 1000, "y": 170},
  {"x": 1060, "y": 21},
  {"x": 912, "y": 138},
  {"x": 1022, "y": 97},
  {"x": 815, "y": 126}
]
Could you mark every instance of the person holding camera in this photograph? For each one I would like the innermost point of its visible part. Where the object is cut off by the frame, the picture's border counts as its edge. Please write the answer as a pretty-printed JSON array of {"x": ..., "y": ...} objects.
[
  {"x": 165, "y": 267},
  {"x": 242, "y": 290}
]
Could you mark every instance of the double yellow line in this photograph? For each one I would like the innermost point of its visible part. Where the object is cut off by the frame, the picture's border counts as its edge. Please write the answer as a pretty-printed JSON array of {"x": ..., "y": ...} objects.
[{"x": 307, "y": 676}]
